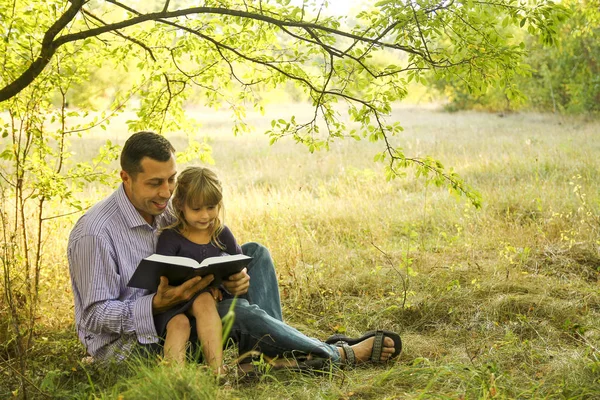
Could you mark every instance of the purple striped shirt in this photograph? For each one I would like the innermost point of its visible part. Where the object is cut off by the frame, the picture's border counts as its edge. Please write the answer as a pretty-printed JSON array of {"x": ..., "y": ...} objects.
[{"x": 105, "y": 247}]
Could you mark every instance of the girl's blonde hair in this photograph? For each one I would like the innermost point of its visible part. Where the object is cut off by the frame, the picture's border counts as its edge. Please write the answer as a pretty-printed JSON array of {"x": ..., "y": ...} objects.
[{"x": 197, "y": 187}]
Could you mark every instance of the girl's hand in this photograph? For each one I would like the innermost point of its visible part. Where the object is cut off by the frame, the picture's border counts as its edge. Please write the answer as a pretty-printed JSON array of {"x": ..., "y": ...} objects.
[
  {"x": 216, "y": 293},
  {"x": 238, "y": 284}
]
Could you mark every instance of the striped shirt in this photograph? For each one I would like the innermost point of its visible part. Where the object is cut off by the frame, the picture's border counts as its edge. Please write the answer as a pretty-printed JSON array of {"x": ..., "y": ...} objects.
[{"x": 105, "y": 247}]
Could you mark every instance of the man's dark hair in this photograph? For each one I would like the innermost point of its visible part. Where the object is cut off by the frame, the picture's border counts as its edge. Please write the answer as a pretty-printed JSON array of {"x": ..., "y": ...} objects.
[{"x": 144, "y": 144}]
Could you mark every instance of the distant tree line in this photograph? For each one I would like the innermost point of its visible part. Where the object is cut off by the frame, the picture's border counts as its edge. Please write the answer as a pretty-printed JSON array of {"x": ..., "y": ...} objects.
[{"x": 563, "y": 77}]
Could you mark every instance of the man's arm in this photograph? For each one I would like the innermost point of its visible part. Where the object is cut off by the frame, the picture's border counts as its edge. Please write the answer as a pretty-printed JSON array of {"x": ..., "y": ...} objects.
[{"x": 106, "y": 306}]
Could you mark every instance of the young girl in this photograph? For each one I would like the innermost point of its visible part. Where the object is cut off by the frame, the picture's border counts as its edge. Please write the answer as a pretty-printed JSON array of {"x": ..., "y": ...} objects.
[{"x": 198, "y": 233}]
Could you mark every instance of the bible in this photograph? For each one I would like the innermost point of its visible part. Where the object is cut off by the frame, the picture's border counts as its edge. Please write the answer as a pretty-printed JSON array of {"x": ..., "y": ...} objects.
[{"x": 179, "y": 269}]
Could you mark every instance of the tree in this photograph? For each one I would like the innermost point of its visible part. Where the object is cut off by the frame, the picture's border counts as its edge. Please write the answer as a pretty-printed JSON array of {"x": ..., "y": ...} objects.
[
  {"x": 567, "y": 76},
  {"x": 564, "y": 77},
  {"x": 229, "y": 50}
]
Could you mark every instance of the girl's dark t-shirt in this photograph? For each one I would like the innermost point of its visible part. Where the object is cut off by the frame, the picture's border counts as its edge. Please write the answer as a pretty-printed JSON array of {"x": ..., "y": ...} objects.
[{"x": 173, "y": 243}]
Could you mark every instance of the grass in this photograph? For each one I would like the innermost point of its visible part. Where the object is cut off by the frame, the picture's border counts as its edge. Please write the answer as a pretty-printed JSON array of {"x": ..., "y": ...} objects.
[{"x": 501, "y": 302}]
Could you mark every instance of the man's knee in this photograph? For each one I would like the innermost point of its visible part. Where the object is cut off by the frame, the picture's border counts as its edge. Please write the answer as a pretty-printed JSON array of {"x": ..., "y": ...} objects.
[
  {"x": 255, "y": 250},
  {"x": 248, "y": 313}
]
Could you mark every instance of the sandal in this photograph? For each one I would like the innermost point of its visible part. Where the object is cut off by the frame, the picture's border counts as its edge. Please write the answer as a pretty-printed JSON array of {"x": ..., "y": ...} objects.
[{"x": 345, "y": 342}]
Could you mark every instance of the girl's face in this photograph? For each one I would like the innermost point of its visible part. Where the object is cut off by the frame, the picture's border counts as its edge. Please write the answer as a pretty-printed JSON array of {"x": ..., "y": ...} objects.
[{"x": 202, "y": 218}]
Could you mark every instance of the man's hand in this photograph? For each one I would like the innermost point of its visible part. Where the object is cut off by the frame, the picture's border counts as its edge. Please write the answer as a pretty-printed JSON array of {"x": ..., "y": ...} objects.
[
  {"x": 167, "y": 296},
  {"x": 238, "y": 284}
]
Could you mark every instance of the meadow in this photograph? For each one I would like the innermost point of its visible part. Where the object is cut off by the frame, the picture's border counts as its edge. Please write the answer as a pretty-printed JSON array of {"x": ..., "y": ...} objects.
[{"x": 500, "y": 302}]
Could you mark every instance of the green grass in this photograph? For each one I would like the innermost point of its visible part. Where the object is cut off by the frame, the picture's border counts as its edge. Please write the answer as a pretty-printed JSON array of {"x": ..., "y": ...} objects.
[{"x": 501, "y": 302}]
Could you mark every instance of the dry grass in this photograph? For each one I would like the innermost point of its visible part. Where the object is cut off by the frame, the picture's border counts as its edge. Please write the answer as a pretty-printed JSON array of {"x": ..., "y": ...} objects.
[{"x": 501, "y": 302}]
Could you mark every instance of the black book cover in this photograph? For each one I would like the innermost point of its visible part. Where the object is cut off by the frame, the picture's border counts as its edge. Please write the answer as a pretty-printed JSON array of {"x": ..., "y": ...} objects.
[{"x": 180, "y": 269}]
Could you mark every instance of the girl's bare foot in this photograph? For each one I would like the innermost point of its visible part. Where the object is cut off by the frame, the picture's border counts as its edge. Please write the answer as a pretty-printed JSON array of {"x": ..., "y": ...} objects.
[
  {"x": 273, "y": 363},
  {"x": 222, "y": 370}
]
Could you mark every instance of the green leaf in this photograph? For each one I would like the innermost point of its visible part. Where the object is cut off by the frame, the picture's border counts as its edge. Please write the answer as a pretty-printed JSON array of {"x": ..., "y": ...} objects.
[{"x": 7, "y": 154}]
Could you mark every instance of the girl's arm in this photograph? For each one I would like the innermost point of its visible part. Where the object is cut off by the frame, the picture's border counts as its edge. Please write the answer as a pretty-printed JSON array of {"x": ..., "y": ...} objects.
[
  {"x": 237, "y": 284},
  {"x": 231, "y": 245},
  {"x": 169, "y": 243}
]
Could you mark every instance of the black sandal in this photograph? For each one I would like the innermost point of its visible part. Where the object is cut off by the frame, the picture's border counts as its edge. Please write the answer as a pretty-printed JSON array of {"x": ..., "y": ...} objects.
[{"x": 345, "y": 342}]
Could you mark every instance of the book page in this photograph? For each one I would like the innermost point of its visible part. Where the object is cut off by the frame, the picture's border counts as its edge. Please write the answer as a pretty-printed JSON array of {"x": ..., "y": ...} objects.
[
  {"x": 177, "y": 260},
  {"x": 222, "y": 259}
]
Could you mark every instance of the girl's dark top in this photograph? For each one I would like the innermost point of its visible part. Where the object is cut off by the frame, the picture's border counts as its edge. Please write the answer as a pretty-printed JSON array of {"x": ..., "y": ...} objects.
[{"x": 173, "y": 243}]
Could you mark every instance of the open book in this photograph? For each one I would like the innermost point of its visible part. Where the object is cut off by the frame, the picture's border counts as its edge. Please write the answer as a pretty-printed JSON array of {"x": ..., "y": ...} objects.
[{"x": 179, "y": 269}]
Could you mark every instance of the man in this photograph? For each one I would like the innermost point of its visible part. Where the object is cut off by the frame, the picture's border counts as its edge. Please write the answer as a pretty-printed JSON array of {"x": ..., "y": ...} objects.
[{"x": 111, "y": 238}]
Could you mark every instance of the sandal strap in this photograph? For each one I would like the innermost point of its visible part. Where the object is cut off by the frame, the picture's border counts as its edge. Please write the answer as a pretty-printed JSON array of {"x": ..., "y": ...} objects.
[
  {"x": 350, "y": 357},
  {"x": 377, "y": 346}
]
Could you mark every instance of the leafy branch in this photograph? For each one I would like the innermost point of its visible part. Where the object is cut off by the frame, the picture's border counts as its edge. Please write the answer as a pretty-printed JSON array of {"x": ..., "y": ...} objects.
[
  {"x": 51, "y": 42},
  {"x": 282, "y": 43}
]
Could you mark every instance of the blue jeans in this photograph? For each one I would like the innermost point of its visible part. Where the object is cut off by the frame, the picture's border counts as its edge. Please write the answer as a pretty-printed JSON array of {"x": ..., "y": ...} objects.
[
  {"x": 258, "y": 323},
  {"x": 265, "y": 293}
]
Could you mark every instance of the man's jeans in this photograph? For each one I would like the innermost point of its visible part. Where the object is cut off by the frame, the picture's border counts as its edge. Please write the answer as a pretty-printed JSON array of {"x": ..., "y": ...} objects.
[
  {"x": 265, "y": 293},
  {"x": 258, "y": 323}
]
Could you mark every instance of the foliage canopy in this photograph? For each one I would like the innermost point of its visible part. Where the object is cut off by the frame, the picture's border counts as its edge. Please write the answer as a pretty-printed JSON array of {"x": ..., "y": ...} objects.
[
  {"x": 229, "y": 49},
  {"x": 559, "y": 78}
]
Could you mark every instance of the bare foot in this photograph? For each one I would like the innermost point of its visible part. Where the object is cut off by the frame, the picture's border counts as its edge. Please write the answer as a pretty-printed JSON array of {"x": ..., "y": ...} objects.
[
  {"x": 282, "y": 364},
  {"x": 221, "y": 371},
  {"x": 362, "y": 350},
  {"x": 164, "y": 363},
  {"x": 222, "y": 374},
  {"x": 245, "y": 368},
  {"x": 276, "y": 363}
]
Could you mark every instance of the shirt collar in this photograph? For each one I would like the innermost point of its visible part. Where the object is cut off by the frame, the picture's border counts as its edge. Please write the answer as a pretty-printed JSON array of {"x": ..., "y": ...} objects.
[{"x": 132, "y": 217}]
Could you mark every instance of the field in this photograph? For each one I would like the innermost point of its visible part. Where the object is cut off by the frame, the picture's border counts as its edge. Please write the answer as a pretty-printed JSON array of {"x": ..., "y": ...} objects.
[{"x": 498, "y": 302}]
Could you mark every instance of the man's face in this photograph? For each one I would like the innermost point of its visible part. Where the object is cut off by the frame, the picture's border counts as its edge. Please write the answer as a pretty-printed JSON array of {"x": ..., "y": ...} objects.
[{"x": 149, "y": 191}]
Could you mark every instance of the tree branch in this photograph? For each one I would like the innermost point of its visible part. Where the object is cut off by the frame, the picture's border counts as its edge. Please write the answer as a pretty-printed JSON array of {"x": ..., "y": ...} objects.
[
  {"x": 166, "y": 7},
  {"x": 131, "y": 39},
  {"x": 50, "y": 43},
  {"x": 49, "y": 46}
]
